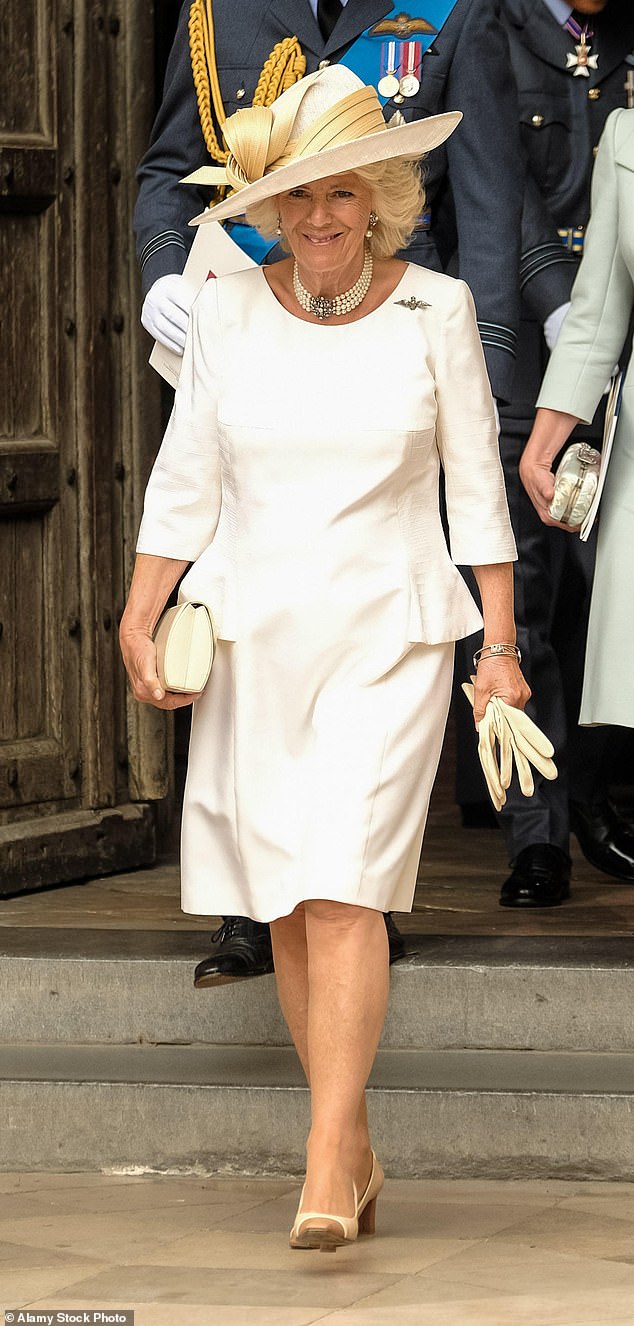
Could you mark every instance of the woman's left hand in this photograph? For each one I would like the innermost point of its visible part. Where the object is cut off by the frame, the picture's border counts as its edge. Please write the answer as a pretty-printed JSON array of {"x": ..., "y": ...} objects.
[{"x": 499, "y": 675}]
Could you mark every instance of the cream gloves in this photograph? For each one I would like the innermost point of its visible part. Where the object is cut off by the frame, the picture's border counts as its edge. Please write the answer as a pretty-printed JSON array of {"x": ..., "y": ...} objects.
[{"x": 519, "y": 739}]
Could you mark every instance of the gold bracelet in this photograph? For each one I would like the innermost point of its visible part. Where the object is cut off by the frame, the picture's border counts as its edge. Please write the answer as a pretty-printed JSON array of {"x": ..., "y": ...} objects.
[{"x": 495, "y": 651}]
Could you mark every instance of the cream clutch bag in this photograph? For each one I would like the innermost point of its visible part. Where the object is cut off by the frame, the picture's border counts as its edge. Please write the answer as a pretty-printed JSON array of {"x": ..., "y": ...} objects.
[
  {"x": 576, "y": 482},
  {"x": 184, "y": 639},
  {"x": 580, "y": 476}
]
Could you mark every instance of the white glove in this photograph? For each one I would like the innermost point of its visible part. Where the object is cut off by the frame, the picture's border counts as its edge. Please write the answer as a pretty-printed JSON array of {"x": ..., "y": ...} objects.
[
  {"x": 165, "y": 312},
  {"x": 519, "y": 739},
  {"x": 553, "y": 323}
]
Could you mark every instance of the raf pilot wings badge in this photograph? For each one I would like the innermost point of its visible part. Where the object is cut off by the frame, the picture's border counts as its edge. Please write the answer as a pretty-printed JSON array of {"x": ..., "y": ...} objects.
[{"x": 403, "y": 26}]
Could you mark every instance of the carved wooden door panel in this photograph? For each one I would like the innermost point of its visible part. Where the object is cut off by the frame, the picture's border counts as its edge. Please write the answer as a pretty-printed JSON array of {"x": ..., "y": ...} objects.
[{"x": 65, "y": 802}]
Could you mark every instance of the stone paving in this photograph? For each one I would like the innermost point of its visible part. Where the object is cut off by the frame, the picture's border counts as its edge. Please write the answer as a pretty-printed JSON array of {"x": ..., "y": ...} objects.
[{"x": 193, "y": 1251}]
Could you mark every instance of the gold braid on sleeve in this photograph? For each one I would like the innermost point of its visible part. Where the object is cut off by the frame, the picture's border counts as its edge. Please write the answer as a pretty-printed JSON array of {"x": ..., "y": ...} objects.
[{"x": 285, "y": 66}]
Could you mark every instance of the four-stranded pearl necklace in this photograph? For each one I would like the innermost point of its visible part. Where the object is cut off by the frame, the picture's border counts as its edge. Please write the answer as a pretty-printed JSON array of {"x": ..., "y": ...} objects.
[{"x": 339, "y": 304}]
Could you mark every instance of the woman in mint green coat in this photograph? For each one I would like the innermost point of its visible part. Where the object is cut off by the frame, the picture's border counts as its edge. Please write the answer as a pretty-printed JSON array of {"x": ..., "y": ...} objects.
[{"x": 591, "y": 343}]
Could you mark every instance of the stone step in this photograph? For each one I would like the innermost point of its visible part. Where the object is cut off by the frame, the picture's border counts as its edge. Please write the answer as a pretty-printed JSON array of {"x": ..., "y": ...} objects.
[
  {"x": 202, "y": 1109},
  {"x": 118, "y": 987}
]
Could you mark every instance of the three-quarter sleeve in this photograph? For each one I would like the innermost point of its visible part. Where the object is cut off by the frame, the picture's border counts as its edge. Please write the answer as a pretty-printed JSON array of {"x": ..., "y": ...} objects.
[
  {"x": 594, "y": 331},
  {"x": 183, "y": 495},
  {"x": 479, "y": 525}
]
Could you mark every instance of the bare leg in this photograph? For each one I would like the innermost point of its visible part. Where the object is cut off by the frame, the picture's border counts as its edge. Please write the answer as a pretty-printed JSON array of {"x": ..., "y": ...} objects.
[
  {"x": 335, "y": 1008},
  {"x": 290, "y": 955}
]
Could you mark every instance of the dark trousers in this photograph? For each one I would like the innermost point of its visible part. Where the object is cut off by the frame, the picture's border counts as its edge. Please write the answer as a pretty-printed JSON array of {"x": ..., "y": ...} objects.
[{"x": 553, "y": 580}]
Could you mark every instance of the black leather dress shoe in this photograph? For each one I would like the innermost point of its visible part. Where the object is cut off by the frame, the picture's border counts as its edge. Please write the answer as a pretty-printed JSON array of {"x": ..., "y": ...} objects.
[
  {"x": 540, "y": 878},
  {"x": 605, "y": 839},
  {"x": 394, "y": 939},
  {"x": 244, "y": 950}
]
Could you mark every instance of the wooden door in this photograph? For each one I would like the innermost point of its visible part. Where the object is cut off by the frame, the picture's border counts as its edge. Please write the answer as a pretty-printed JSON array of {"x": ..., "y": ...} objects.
[{"x": 78, "y": 426}]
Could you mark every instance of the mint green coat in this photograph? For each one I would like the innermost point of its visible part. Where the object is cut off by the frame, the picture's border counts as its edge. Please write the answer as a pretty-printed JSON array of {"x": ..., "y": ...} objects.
[{"x": 590, "y": 344}]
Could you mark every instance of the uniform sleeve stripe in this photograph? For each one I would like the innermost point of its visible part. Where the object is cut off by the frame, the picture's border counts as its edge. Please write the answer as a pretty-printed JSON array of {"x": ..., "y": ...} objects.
[
  {"x": 543, "y": 248},
  {"x": 498, "y": 328},
  {"x": 492, "y": 344},
  {"x": 498, "y": 336},
  {"x": 538, "y": 259},
  {"x": 502, "y": 345},
  {"x": 160, "y": 242}
]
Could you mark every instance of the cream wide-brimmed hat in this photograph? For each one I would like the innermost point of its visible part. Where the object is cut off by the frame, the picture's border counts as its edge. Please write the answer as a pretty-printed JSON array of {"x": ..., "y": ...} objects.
[{"x": 326, "y": 124}]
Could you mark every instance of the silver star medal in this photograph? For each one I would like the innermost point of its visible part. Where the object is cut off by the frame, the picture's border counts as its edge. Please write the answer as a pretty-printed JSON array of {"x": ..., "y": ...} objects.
[{"x": 582, "y": 62}]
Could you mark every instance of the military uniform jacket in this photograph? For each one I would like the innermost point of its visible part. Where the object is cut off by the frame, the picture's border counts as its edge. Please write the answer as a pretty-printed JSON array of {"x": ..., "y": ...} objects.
[
  {"x": 466, "y": 69},
  {"x": 561, "y": 121}
]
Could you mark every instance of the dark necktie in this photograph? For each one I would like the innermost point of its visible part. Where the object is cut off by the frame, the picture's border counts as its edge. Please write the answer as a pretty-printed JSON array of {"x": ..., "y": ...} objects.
[{"x": 328, "y": 12}]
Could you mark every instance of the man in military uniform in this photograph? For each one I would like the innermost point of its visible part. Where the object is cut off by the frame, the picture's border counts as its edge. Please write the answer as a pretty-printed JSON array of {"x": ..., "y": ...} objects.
[
  {"x": 572, "y": 67},
  {"x": 440, "y": 56}
]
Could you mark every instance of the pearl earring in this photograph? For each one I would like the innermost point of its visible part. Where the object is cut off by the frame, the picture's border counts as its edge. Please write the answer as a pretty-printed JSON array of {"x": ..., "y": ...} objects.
[
  {"x": 372, "y": 220},
  {"x": 279, "y": 225}
]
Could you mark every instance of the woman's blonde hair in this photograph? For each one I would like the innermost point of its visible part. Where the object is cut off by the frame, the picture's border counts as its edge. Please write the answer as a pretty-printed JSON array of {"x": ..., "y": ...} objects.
[{"x": 398, "y": 197}]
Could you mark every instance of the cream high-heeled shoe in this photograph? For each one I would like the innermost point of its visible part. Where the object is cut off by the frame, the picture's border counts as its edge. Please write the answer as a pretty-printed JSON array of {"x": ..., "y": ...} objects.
[{"x": 315, "y": 1229}]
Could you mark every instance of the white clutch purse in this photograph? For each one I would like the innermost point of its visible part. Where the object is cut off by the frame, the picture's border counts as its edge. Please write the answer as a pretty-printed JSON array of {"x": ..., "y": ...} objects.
[
  {"x": 580, "y": 475},
  {"x": 576, "y": 482},
  {"x": 184, "y": 639}
]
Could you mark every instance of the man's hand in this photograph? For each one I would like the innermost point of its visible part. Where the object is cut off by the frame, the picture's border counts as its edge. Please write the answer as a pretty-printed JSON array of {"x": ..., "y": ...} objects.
[{"x": 165, "y": 312}]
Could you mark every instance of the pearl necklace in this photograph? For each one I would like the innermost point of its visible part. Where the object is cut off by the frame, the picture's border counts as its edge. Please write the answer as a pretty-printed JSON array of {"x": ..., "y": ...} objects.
[{"x": 322, "y": 307}]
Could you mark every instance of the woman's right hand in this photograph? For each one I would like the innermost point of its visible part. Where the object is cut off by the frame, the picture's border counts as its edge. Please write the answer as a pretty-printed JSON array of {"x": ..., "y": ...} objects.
[
  {"x": 539, "y": 482},
  {"x": 139, "y": 656},
  {"x": 550, "y": 432},
  {"x": 501, "y": 676}
]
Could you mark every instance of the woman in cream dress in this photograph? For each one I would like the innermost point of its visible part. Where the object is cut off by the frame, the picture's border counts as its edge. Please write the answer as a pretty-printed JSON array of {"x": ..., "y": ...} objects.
[
  {"x": 298, "y": 479},
  {"x": 590, "y": 344}
]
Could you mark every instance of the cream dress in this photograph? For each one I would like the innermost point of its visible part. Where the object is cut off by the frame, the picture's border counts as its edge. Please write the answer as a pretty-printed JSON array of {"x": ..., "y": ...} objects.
[{"x": 300, "y": 476}]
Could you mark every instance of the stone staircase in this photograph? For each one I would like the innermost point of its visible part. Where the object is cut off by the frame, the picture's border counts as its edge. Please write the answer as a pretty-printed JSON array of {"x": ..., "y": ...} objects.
[{"x": 501, "y": 1058}]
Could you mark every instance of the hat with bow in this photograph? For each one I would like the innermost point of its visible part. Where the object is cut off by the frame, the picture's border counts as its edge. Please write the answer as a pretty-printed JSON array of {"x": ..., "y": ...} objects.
[{"x": 326, "y": 124}]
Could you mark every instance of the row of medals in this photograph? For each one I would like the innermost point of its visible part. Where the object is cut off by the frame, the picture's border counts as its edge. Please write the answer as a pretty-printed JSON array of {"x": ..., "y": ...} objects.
[
  {"x": 402, "y": 64},
  {"x": 394, "y": 84}
]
